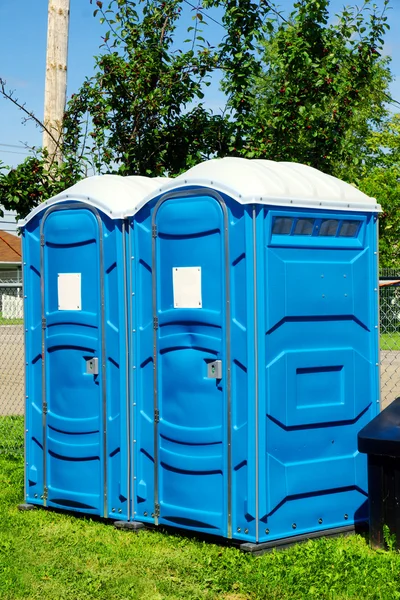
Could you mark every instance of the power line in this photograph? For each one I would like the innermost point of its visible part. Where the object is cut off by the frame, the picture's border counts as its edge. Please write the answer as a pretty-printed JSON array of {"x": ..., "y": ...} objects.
[
  {"x": 12, "y": 146},
  {"x": 12, "y": 152}
]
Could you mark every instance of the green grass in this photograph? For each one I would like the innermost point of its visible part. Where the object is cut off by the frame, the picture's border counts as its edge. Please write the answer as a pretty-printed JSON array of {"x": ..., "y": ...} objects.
[
  {"x": 11, "y": 435},
  {"x": 390, "y": 341},
  {"x": 10, "y": 321},
  {"x": 59, "y": 557}
]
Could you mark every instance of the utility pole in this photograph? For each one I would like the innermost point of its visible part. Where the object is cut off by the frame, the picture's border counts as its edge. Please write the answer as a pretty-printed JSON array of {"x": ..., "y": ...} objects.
[{"x": 56, "y": 75}]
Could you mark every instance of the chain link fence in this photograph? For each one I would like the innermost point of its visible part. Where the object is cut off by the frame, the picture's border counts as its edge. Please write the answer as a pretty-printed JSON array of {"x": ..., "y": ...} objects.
[
  {"x": 11, "y": 362},
  {"x": 12, "y": 352},
  {"x": 389, "y": 299}
]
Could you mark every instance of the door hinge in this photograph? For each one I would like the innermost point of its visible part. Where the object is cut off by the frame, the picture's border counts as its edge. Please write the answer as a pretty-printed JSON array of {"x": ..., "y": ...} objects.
[
  {"x": 155, "y": 322},
  {"x": 45, "y": 408},
  {"x": 45, "y": 493},
  {"x": 154, "y": 231},
  {"x": 156, "y": 510},
  {"x": 42, "y": 240},
  {"x": 44, "y": 324},
  {"x": 156, "y": 415}
]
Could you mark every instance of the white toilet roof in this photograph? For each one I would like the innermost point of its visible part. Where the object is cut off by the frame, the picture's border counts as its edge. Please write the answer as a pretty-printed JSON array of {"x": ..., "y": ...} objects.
[
  {"x": 112, "y": 194},
  {"x": 246, "y": 181},
  {"x": 251, "y": 181}
]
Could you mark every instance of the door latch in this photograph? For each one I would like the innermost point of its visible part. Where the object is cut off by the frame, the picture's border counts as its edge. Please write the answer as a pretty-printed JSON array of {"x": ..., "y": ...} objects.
[
  {"x": 92, "y": 366},
  {"x": 214, "y": 369}
]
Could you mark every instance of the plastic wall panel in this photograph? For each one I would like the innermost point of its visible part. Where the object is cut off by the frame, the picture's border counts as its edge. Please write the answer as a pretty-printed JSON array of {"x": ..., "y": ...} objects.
[
  {"x": 142, "y": 376},
  {"x": 75, "y": 463},
  {"x": 319, "y": 356},
  {"x": 116, "y": 323},
  {"x": 189, "y": 240},
  {"x": 244, "y": 451},
  {"x": 33, "y": 371},
  {"x": 74, "y": 423},
  {"x": 192, "y": 438}
]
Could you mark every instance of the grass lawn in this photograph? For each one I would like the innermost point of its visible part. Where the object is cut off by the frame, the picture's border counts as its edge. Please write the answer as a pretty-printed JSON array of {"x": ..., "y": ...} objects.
[
  {"x": 59, "y": 557},
  {"x": 10, "y": 321},
  {"x": 12, "y": 435},
  {"x": 390, "y": 341}
]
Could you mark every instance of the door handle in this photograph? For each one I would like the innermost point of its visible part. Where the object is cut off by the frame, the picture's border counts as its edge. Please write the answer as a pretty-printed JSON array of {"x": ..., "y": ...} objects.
[
  {"x": 214, "y": 369},
  {"x": 92, "y": 366}
]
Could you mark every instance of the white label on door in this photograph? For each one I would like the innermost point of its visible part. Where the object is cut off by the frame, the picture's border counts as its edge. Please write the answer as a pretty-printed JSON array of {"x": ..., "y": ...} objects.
[
  {"x": 69, "y": 291},
  {"x": 186, "y": 283}
]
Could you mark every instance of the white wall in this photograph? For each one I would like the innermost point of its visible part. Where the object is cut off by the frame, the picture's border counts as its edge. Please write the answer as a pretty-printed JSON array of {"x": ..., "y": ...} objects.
[{"x": 8, "y": 222}]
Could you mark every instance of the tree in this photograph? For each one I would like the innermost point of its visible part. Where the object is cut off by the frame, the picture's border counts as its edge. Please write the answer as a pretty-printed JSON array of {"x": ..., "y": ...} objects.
[
  {"x": 34, "y": 180},
  {"x": 322, "y": 88},
  {"x": 381, "y": 180},
  {"x": 39, "y": 176},
  {"x": 297, "y": 89},
  {"x": 144, "y": 103}
]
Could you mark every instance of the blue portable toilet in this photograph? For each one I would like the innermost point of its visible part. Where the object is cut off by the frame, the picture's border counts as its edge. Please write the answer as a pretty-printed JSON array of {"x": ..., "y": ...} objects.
[
  {"x": 76, "y": 319},
  {"x": 254, "y": 351}
]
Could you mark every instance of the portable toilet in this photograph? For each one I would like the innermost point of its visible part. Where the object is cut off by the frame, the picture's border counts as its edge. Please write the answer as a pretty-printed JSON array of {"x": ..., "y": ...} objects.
[
  {"x": 255, "y": 351},
  {"x": 76, "y": 337}
]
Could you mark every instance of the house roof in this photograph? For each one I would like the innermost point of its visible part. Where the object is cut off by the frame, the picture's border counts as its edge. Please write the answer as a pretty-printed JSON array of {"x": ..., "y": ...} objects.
[{"x": 10, "y": 248}]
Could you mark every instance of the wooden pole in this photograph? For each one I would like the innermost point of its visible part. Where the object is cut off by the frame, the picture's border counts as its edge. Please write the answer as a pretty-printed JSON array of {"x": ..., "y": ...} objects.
[{"x": 56, "y": 75}]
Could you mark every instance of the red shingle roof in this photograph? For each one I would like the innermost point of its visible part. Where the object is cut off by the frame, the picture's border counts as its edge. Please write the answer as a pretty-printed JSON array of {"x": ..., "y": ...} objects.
[{"x": 10, "y": 247}]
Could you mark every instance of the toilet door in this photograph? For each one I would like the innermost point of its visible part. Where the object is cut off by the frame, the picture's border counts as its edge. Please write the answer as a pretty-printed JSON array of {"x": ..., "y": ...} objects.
[
  {"x": 73, "y": 386},
  {"x": 191, "y": 377}
]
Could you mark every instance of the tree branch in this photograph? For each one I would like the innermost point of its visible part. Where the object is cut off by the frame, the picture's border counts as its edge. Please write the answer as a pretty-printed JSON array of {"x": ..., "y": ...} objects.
[
  {"x": 276, "y": 12},
  {"x": 163, "y": 30},
  {"x": 9, "y": 96}
]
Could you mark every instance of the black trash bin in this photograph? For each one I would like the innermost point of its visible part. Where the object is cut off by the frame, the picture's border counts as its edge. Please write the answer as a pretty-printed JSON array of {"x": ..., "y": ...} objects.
[{"x": 380, "y": 440}]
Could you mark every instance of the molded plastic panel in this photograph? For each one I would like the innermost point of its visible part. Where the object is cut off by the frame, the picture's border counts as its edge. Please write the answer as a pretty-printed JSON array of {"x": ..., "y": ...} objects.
[
  {"x": 116, "y": 324},
  {"x": 193, "y": 410},
  {"x": 76, "y": 466},
  {"x": 74, "y": 399},
  {"x": 319, "y": 349},
  {"x": 243, "y": 372},
  {"x": 33, "y": 372},
  {"x": 142, "y": 367},
  {"x": 192, "y": 428}
]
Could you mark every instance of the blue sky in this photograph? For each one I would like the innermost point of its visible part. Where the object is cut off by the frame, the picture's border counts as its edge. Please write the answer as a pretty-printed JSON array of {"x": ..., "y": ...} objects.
[{"x": 23, "y": 28}]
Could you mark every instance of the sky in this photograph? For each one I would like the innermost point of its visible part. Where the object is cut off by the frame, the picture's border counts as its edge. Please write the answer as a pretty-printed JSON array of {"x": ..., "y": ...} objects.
[{"x": 23, "y": 34}]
